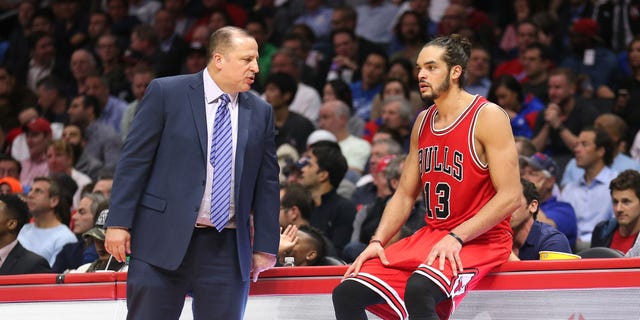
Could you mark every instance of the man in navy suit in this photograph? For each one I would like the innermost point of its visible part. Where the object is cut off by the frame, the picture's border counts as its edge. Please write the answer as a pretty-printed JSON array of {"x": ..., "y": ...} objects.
[
  {"x": 161, "y": 198},
  {"x": 14, "y": 258}
]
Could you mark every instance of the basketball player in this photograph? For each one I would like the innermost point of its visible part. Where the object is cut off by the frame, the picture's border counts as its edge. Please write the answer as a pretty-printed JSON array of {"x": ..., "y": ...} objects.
[{"x": 463, "y": 161}]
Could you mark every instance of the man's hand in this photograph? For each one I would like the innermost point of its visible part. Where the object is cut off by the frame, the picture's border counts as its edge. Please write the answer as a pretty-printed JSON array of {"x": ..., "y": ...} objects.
[
  {"x": 448, "y": 248},
  {"x": 118, "y": 243},
  {"x": 552, "y": 115},
  {"x": 260, "y": 262},
  {"x": 374, "y": 250}
]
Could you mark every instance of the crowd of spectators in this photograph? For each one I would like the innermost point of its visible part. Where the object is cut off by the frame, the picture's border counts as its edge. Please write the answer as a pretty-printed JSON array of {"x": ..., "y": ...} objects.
[{"x": 340, "y": 76}]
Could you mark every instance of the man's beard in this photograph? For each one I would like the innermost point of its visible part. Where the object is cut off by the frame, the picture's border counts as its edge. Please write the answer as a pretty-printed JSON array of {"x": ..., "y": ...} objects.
[{"x": 436, "y": 92}]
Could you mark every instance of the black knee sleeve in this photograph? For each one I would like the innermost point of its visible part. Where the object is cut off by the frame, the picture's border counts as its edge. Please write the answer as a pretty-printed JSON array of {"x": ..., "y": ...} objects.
[
  {"x": 421, "y": 296},
  {"x": 350, "y": 298}
]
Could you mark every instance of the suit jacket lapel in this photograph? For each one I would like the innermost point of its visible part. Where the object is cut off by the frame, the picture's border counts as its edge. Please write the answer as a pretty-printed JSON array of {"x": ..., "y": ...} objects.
[
  {"x": 244, "y": 118},
  {"x": 198, "y": 109},
  {"x": 13, "y": 257}
]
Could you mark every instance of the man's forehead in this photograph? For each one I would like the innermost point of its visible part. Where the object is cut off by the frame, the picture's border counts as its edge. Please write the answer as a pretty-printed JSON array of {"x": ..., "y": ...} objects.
[{"x": 431, "y": 54}]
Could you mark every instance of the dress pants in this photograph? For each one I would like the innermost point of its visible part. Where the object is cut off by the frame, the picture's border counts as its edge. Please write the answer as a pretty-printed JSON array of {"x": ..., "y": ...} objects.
[{"x": 209, "y": 272}]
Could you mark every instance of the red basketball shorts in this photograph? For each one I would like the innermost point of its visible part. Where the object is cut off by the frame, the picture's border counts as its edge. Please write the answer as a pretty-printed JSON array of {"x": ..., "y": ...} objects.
[{"x": 408, "y": 256}]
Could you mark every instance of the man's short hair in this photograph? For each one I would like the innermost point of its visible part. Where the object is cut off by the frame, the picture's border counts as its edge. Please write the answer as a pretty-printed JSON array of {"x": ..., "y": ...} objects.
[
  {"x": 285, "y": 83},
  {"x": 626, "y": 180},
  {"x": 317, "y": 241},
  {"x": 393, "y": 147},
  {"x": 221, "y": 40},
  {"x": 296, "y": 195},
  {"x": 16, "y": 209},
  {"x": 405, "y": 110},
  {"x": 90, "y": 101},
  {"x": 530, "y": 193},
  {"x": 545, "y": 52},
  {"x": 330, "y": 159},
  {"x": 6, "y": 157},
  {"x": 603, "y": 140},
  {"x": 568, "y": 74}
]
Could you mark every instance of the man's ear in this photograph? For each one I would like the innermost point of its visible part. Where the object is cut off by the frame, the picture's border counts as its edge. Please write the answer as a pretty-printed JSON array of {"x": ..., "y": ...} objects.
[
  {"x": 311, "y": 255},
  {"x": 294, "y": 213},
  {"x": 455, "y": 72},
  {"x": 323, "y": 175}
]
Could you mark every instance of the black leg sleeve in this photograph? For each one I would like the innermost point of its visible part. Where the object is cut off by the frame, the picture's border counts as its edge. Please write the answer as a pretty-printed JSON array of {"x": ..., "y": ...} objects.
[
  {"x": 350, "y": 298},
  {"x": 421, "y": 297}
]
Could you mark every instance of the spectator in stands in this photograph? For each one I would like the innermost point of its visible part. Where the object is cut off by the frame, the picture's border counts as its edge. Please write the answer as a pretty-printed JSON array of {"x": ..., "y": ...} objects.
[
  {"x": 313, "y": 60},
  {"x": 38, "y": 133},
  {"x": 589, "y": 57},
  {"x": 616, "y": 128},
  {"x": 177, "y": 9},
  {"x": 621, "y": 232},
  {"x": 111, "y": 107},
  {"x": 80, "y": 252},
  {"x": 14, "y": 96},
  {"x": 196, "y": 59},
  {"x": 366, "y": 188},
  {"x": 378, "y": 25},
  {"x": 525, "y": 147},
  {"x": 536, "y": 62},
  {"x": 60, "y": 160},
  {"x": 43, "y": 60},
  {"x": 307, "y": 248},
  {"x": 122, "y": 23},
  {"x": 317, "y": 16},
  {"x": 558, "y": 125},
  {"x": 102, "y": 141},
  {"x": 9, "y": 167},
  {"x": 95, "y": 236},
  {"x": 322, "y": 170},
  {"x": 589, "y": 196},
  {"x": 410, "y": 33},
  {"x": 628, "y": 96},
  {"x": 109, "y": 53},
  {"x": 372, "y": 75},
  {"x": 17, "y": 52},
  {"x": 172, "y": 48},
  {"x": 10, "y": 185},
  {"x": 348, "y": 58},
  {"x": 46, "y": 235},
  {"x": 291, "y": 127},
  {"x": 307, "y": 100},
  {"x": 507, "y": 92},
  {"x": 258, "y": 29},
  {"x": 14, "y": 258},
  {"x": 82, "y": 161},
  {"x": 541, "y": 170},
  {"x": 141, "y": 79},
  {"x": 477, "y": 79},
  {"x": 103, "y": 185},
  {"x": 99, "y": 25},
  {"x": 52, "y": 99},
  {"x": 337, "y": 89},
  {"x": 296, "y": 205},
  {"x": 526, "y": 34},
  {"x": 397, "y": 115},
  {"x": 394, "y": 87},
  {"x": 82, "y": 64},
  {"x": 531, "y": 236},
  {"x": 334, "y": 116}
]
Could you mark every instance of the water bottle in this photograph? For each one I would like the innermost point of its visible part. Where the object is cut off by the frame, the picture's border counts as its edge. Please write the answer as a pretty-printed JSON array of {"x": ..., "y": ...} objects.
[{"x": 289, "y": 262}]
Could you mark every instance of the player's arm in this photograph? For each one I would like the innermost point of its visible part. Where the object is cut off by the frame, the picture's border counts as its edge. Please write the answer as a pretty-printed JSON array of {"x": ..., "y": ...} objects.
[
  {"x": 398, "y": 208},
  {"x": 494, "y": 135}
]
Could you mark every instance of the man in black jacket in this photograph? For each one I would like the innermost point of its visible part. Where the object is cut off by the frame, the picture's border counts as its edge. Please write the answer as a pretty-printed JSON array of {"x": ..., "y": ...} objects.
[{"x": 14, "y": 259}]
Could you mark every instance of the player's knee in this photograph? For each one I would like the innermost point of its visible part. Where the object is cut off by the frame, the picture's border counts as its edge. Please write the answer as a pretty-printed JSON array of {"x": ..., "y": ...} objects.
[
  {"x": 343, "y": 291},
  {"x": 419, "y": 287}
]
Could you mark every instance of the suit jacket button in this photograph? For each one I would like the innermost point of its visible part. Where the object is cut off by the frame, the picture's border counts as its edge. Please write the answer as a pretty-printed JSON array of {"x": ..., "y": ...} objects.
[{"x": 204, "y": 183}]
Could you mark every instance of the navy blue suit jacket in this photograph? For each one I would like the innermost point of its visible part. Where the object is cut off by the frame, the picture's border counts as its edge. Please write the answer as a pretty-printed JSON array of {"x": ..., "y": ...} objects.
[{"x": 160, "y": 178}]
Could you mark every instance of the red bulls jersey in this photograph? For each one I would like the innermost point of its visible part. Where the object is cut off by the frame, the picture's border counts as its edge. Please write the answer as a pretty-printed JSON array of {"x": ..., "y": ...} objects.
[{"x": 455, "y": 183}]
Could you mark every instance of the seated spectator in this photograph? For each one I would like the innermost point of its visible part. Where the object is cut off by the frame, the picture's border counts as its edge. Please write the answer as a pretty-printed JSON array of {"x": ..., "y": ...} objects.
[
  {"x": 589, "y": 196},
  {"x": 141, "y": 79},
  {"x": 337, "y": 89},
  {"x": 476, "y": 80},
  {"x": 9, "y": 167},
  {"x": 616, "y": 128},
  {"x": 305, "y": 244},
  {"x": 103, "y": 185},
  {"x": 366, "y": 189},
  {"x": 75, "y": 254},
  {"x": 540, "y": 170},
  {"x": 46, "y": 235},
  {"x": 397, "y": 115},
  {"x": 60, "y": 160},
  {"x": 531, "y": 236},
  {"x": 38, "y": 133},
  {"x": 334, "y": 117},
  {"x": 395, "y": 87},
  {"x": 82, "y": 160},
  {"x": 322, "y": 171},
  {"x": 372, "y": 74},
  {"x": 507, "y": 92},
  {"x": 296, "y": 205},
  {"x": 621, "y": 232},
  {"x": 111, "y": 108},
  {"x": 105, "y": 261},
  {"x": 14, "y": 258},
  {"x": 10, "y": 185}
]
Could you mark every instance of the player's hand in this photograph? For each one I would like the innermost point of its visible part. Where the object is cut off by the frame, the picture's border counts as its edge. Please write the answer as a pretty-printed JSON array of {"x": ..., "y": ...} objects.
[
  {"x": 118, "y": 243},
  {"x": 261, "y": 261},
  {"x": 448, "y": 248},
  {"x": 373, "y": 250}
]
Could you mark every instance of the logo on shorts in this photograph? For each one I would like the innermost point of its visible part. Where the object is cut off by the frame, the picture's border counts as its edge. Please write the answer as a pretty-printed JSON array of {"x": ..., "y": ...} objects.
[{"x": 461, "y": 282}]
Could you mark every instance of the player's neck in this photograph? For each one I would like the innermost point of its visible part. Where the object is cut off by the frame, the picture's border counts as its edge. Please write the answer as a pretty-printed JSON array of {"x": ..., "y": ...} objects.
[{"x": 452, "y": 103}]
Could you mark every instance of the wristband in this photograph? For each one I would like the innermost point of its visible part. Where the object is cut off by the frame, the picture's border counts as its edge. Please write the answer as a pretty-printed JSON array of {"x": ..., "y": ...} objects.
[
  {"x": 455, "y": 236},
  {"x": 375, "y": 240}
]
